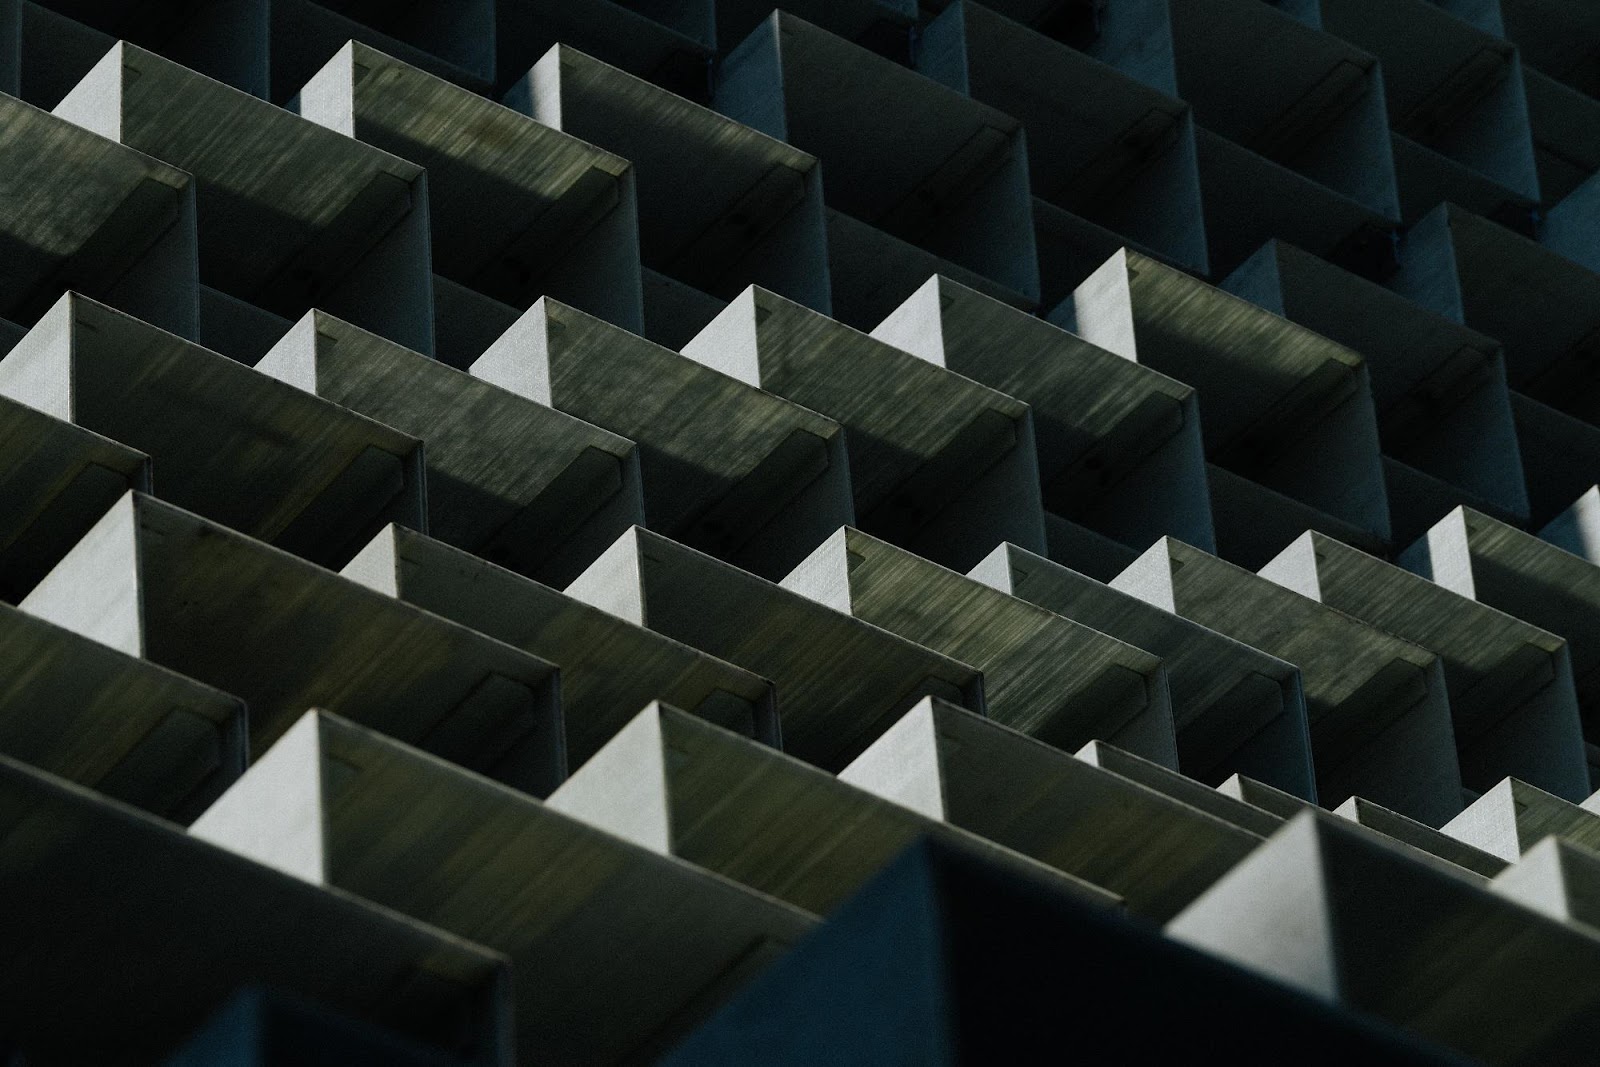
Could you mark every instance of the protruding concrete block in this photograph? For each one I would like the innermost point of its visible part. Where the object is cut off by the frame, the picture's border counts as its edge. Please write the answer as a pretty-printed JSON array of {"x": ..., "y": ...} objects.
[
  {"x": 1236, "y": 709},
  {"x": 1281, "y": 406},
  {"x": 840, "y": 682},
  {"x": 1444, "y": 417},
  {"x": 756, "y": 216},
  {"x": 1495, "y": 564},
  {"x": 1181, "y": 787},
  {"x": 132, "y": 730},
  {"x": 1118, "y": 445},
  {"x": 616, "y": 951},
  {"x": 233, "y": 445},
  {"x": 1103, "y": 147},
  {"x": 57, "y": 480},
  {"x": 939, "y": 464},
  {"x": 1393, "y": 825},
  {"x": 1514, "y": 816},
  {"x": 1155, "y": 852},
  {"x": 918, "y": 160},
  {"x": 1379, "y": 716},
  {"x": 149, "y": 931},
  {"x": 1337, "y": 914},
  {"x": 516, "y": 211},
  {"x": 1512, "y": 698},
  {"x": 532, "y": 489},
  {"x": 1294, "y": 138},
  {"x": 677, "y": 785},
  {"x": 609, "y": 668},
  {"x": 946, "y": 960},
  {"x": 286, "y": 635},
  {"x": 78, "y": 212},
  {"x": 670, "y": 42},
  {"x": 728, "y": 469},
  {"x": 1043, "y": 675},
  {"x": 1557, "y": 878},
  {"x": 329, "y": 222}
]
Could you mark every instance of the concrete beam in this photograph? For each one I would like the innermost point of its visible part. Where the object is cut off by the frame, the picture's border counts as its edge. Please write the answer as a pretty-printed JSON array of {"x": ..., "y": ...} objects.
[
  {"x": 838, "y": 688},
  {"x": 286, "y": 635},
  {"x": 963, "y": 962},
  {"x": 1236, "y": 709},
  {"x": 510, "y": 479},
  {"x": 1329, "y": 910},
  {"x": 756, "y": 216},
  {"x": 760, "y": 492},
  {"x": 330, "y": 222},
  {"x": 57, "y": 480},
  {"x": 151, "y": 929},
  {"x": 517, "y": 211},
  {"x": 609, "y": 668},
  {"x": 1101, "y": 145},
  {"x": 616, "y": 951},
  {"x": 1282, "y": 406},
  {"x": 1514, "y": 816},
  {"x": 667, "y": 42},
  {"x": 682, "y": 787},
  {"x": 1379, "y": 716},
  {"x": 938, "y": 464},
  {"x": 1181, "y": 787},
  {"x": 1444, "y": 416},
  {"x": 1155, "y": 852},
  {"x": 1119, "y": 446},
  {"x": 231, "y": 444},
  {"x": 1512, "y": 699},
  {"x": 1043, "y": 675},
  {"x": 919, "y": 161},
  {"x": 81, "y": 213}
]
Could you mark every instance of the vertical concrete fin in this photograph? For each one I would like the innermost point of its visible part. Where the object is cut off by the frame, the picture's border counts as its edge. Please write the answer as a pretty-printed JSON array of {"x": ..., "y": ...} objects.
[
  {"x": 328, "y": 99},
  {"x": 1537, "y": 880},
  {"x": 1102, "y": 308},
  {"x": 1444, "y": 555},
  {"x": 1150, "y": 577},
  {"x": 293, "y": 360},
  {"x": 1259, "y": 280},
  {"x": 538, "y": 93},
  {"x": 730, "y": 343},
  {"x": 824, "y": 576},
  {"x": 614, "y": 582},
  {"x": 96, "y": 589},
  {"x": 377, "y": 566},
  {"x": 903, "y": 765},
  {"x": 1490, "y": 823},
  {"x": 38, "y": 369},
  {"x": 995, "y": 570},
  {"x": 622, "y": 789},
  {"x": 519, "y": 360},
  {"x": 274, "y": 814},
  {"x": 917, "y": 326},
  {"x": 95, "y": 103},
  {"x": 1296, "y": 567}
]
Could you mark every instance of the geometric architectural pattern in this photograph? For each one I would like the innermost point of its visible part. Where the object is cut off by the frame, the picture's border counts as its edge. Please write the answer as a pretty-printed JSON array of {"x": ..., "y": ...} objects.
[{"x": 876, "y": 531}]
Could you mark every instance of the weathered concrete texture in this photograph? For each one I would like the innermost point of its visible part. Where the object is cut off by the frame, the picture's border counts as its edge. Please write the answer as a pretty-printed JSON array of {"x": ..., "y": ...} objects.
[
  {"x": 516, "y": 211},
  {"x": 918, "y": 160},
  {"x": 110, "y": 721},
  {"x": 1281, "y": 406},
  {"x": 1043, "y": 675},
  {"x": 616, "y": 951},
  {"x": 840, "y": 682},
  {"x": 1379, "y": 716},
  {"x": 1101, "y": 146},
  {"x": 1182, "y": 788},
  {"x": 679, "y": 786},
  {"x": 1512, "y": 699},
  {"x": 230, "y": 444},
  {"x": 1118, "y": 445},
  {"x": 1294, "y": 141},
  {"x": 669, "y": 42},
  {"x": 1557, "y": 878},
  {"x": 1456, "y": 104},
  {"x": 529, "y": 488},
  {"x": 286, "y": 635},
  {"x": 329, "y": 222},
  {"x": 1444, "y": 416},
  {"x": 1333, "y": 912},
  {"x": 1155, "y": 852},
  {"x": 57, "y": 479},
  {"x": 945, "y": 960},
  {"x": 756, "y": 216},
  {"x": 78, "y": 212},
  {"x": 1236, "y": 709},
  {"x": 1484, "y": 559},
  {"x": 939, "y": 464},
  {"x": 150, "y": 930},
  {"x": 609, "y": 668},
  {"x": 728, "y": 469},
  {"x": 1514, "y": 816}
]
